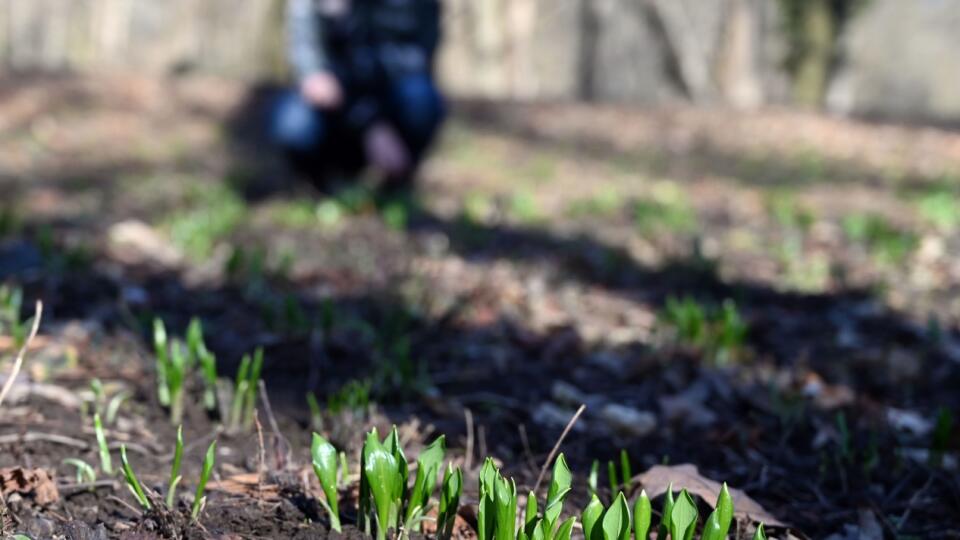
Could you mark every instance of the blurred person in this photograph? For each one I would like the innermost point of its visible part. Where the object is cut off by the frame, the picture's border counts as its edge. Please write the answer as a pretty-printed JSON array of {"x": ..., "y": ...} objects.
[{"x": 365, "y": 93}]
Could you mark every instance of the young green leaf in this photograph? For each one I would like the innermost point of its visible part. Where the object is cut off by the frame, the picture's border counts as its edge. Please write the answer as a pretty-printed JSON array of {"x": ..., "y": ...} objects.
[
  {"x": 642, "y": 512},
  {"x": 85, "y": 472},
  {"x": 106, "y": 464},
  {"x": 559, "y": 488},
  {"x": 615, "y": 523},
  {"x": 565, "y": 530},
  {"x": 683, "y": 517},
  {"x": 132, "y": 482},
  {"x": 592, "y": 479},
  {"x": 590, "y": 518},
  {"x": 428, "y": 465},
  {"x": 160, "y": 349},
  {"x": 486, "y": 510},
  {"x": 365, "y": 498},
  {"x": 325, "y": 467},
  {"x": 665, "y": 521},
  {"x": 382, "y": 472},
  {"x": 505, "y": 495},
  {"x": 530, "y": 513},
  {"x": 198, "y": 499},
  {"x": 175, "y": 469},
  {"x": 253, "y": 383},
  {"x": 240, "y": 390},
  {"x": 625, "y": 472},
  {"x": 450, "y": 493},
  {"x": 612, "y": 477},
  {"x": 392, "y": 444},
  {"x": 718, "y": 523},
  {"x": 208, "y": 367},
  {"x": 760, "y": 534}
]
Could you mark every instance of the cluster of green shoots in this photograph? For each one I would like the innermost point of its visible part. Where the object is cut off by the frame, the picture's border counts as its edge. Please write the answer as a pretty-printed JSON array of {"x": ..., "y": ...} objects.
[
  {"x": 99, "y": 402},
  {"x": 385, "y": 499},
  {"x": 678, "y": 518},
  {"x": 623, "y": 481},
  {"x": 11, "y": 300},
  {"x": 244, "y": 401},
  {"x": 145, "y": 498},
  {"x": 175, "y": 364},
  {"x": 497, "y": 512},
  {"x": 718, "y": 332}
]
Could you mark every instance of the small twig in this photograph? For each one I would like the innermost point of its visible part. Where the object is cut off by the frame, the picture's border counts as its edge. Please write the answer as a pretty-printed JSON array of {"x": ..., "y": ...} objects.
[
  {"x": 72, "y": 489},
  {"x": 281, "y": 445},
  {"x": 556, "y": 447},
  {"x": 261, "y": 455},
  {"x": 130, "y": 507},
  {"x": 468, "y": 452},
  {"x": 31, "y": 436},
  {"x": 527, "y": 453},
  {"x": 913, "y": 501},
  {"x": 18, "y": 363}
]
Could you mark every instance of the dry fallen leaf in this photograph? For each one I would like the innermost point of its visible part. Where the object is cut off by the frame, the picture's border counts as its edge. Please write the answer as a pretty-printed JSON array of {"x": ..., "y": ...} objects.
[
  {"x": 36, "y": 483},
  {"x": 246, "y": 484},
  {"x": 658, "y": 477}
]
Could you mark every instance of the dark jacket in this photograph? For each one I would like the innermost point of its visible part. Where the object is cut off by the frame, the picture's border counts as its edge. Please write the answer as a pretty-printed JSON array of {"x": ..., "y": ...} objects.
[{"x": 366, "y": 43}]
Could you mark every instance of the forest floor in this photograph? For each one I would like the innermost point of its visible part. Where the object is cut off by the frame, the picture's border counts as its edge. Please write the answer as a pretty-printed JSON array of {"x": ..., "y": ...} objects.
[{"x": 773, "y": 297}]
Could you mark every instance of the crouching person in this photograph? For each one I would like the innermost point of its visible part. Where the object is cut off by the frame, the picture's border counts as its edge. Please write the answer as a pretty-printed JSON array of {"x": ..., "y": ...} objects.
[{"x": 365, "y": 93}]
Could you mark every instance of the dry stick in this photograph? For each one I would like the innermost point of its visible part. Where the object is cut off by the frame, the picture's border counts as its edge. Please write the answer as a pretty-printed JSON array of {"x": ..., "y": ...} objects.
[
  {"x": 281, "y": 445},
  {"x": 556, "y": 447},
  {"x": 527, "y": 453},
  {"x": 38, "y": 313},
  {"x": 31, "y": 436},
  {"x": 261, "y": 454},
  {"x": 468, "y": 454}
]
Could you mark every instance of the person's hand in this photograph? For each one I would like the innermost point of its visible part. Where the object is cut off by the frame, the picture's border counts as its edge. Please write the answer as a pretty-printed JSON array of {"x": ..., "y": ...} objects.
[
  {"x": 386, "y": 151},
  {"x": 322, "y": 90}
]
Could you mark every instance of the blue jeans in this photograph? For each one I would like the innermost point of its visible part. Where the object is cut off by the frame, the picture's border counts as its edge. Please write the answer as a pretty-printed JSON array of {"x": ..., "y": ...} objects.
[{"x": 412, "y": 105}]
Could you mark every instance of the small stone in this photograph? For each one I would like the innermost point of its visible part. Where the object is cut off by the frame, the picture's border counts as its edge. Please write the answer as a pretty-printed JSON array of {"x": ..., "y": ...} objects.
[
  {"x": 628, "y": 421},
  {"x": 549, "y": 415}
]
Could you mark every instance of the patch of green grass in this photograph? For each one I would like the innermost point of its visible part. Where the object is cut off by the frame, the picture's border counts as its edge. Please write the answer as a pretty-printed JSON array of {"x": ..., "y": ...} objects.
[
  {"x": 940, "y": 209},
  {"x": 604, "y": 203},
  {"x": 719, "y": 332},
  {"x": 478, "y": 208},
  {"x": 209, "y": 215},
  {"x": 523, "y": 207},
  {"x": 887, "y": 244},
  {"x": 791, "y": 215},
  {"x": 666, "y": 210}
]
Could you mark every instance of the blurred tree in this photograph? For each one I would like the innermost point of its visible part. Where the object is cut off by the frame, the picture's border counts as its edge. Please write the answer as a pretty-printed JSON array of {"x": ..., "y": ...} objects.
[{"x": 812, "y": 29}]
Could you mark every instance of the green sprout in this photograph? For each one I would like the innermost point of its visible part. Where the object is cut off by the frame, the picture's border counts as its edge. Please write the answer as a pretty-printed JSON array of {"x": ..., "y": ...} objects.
[
  {"x": 245, "y": 392},
  {"x": 11, "y": 301},
  {"x": 199, "y": 500},
  {"x": 85, "y": 473},
  {"x": 207, "y": 361},
  {"x": 386, "y": 477},
  {"x": 594, "y": 475},
  {"x": 450, "y": 493},
  {"x": 428, "y": 467},
  {"x": 106, "y": 464},
  {"x": 316, "y": 414},
  {"x": 718, "y": 523},
  {"x": 133, "y": 484},
  {"x": 718, "y": 332},
  {"x": 325, "y": 467},
  {"x": 160, "y": 349},
  {"x": 175, "y": 469},
  {"x": 642, "y": 512},
  {"x": 760, "y": 535},
  {"x": 173, "y": 364}
]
